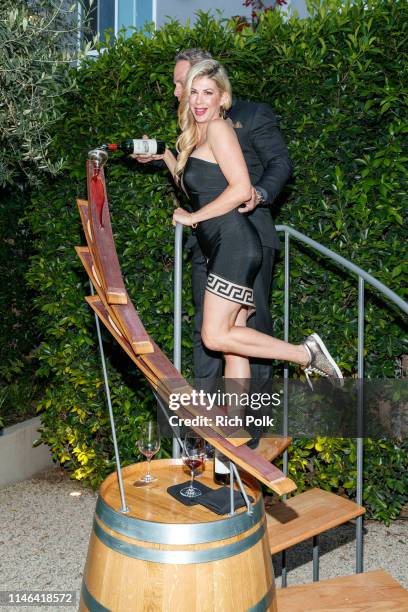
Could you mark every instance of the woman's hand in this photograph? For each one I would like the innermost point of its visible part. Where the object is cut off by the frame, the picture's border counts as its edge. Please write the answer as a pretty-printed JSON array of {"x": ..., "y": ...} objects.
[
  {"x": 170, "y": 161},
  {"x": 182, "y": 216}
]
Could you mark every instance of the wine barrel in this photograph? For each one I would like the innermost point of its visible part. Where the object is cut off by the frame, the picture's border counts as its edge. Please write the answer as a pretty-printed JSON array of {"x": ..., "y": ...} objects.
[{"x": 164, "y": 556}]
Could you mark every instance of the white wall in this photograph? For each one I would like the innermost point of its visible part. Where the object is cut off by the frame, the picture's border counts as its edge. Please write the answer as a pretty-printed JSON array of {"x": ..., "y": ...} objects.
[
  {"x": 181, "y": 10},
  {"x": 18, "y": 459},
  {"x": 297, "y": 5}
]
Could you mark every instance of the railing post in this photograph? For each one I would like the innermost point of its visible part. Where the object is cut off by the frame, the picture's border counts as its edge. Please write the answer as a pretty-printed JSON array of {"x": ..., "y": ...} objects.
[
  {"x": 360, "y": 416},
  {"x": 363, "y": 277},
  {"x": 316, "y": 558},
  {"x": 284, "y": 579},
  {"x": 286, "y": 338},
  {"x": 178, "y": 287}
]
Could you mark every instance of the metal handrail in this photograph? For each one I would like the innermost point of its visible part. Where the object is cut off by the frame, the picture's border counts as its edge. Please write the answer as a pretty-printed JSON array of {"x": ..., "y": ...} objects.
[
  {"x": 363, "y": 277},
  {"x": 347, "y": 264}
]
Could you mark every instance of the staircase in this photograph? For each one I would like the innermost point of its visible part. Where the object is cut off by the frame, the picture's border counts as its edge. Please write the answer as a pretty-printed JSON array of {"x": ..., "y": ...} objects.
[{"x": 305, "y": 516}]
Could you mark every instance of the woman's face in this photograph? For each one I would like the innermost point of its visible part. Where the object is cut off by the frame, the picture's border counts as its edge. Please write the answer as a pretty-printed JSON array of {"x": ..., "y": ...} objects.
[{"x": 205, "y": 100}]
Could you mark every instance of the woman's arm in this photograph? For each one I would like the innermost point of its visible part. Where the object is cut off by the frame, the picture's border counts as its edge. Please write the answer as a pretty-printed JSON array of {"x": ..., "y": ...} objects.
[
  {"x": 170, "y": 161},
  {"x": 226, "y": 149}
]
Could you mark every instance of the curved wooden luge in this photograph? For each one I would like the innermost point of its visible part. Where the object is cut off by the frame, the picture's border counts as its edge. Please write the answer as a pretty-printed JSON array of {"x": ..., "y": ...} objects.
[
  {"x": 165, "y": 556},
  {"x": 101, "y": 231},
  {"x": 125, "y": 314},
  {"x": 115, "y": 309}
]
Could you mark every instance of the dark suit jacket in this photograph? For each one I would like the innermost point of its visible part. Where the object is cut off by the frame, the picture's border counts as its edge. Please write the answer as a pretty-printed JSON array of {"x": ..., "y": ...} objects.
[{"x": 267, "y": 159}]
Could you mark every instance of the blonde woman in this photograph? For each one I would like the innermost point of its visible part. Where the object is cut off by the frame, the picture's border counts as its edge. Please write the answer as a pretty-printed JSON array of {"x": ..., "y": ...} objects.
[{"x": 211, "y": 169}]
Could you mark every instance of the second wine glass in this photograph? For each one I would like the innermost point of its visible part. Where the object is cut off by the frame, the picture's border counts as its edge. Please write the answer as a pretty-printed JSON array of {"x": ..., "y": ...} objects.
[{"x": 148, "y": 443}]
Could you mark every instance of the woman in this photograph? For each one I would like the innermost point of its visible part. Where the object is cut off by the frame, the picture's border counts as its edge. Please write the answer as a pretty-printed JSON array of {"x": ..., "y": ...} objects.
[{"x": 211, "y": 169}]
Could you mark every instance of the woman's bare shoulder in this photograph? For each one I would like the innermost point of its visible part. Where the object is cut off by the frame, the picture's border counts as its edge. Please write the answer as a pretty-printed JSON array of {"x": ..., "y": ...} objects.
[{"x": 219, "y": 127}]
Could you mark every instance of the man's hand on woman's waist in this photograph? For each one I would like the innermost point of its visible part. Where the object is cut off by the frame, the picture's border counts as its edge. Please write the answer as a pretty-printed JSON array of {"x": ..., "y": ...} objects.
[{"x": 259, "y": 196}]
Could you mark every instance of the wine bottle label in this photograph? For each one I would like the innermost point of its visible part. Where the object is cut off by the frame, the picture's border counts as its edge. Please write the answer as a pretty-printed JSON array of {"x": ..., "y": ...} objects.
[
  {"x": 220, "y": 467},
  {"x": 145, "y": 147}
]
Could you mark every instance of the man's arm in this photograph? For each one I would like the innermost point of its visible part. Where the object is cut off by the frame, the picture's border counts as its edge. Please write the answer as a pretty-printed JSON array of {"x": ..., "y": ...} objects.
[{"x": 268, "y": 142}]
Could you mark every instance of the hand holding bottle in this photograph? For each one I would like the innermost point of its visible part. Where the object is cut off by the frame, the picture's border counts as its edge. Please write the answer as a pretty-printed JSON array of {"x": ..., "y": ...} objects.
[{"x": 144, "y": 158}]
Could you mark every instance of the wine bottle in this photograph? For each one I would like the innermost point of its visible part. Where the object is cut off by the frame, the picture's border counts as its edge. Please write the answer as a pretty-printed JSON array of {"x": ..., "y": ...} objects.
[
  {"x": 221, "y": 468},
  {"x": 139, "y": 146}
]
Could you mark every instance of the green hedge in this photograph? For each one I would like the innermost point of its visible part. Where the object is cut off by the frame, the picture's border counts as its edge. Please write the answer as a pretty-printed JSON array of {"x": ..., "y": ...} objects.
[
  {"x": 337, "y": 82},
  {"x": 18, "y": 333},
  {"x": 35, "y": 74}
]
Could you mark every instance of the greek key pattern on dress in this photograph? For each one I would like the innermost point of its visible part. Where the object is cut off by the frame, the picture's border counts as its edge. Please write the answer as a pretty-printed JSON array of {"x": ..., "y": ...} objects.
[{"x": 231, "y": 291}]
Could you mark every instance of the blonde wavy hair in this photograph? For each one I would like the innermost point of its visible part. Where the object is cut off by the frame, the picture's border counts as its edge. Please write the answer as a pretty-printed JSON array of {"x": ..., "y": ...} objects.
[{"x": 190, "y": 136}]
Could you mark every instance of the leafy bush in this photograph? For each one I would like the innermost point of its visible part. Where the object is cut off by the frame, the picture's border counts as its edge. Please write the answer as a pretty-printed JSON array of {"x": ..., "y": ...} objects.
[
  {"x": 35, "y": 53},
  {"x": 18, "y": 334},
  {"x": 337, "y": 83},
  {"x": 330, "y": 464},
  {"x": 38, "y": 44}
]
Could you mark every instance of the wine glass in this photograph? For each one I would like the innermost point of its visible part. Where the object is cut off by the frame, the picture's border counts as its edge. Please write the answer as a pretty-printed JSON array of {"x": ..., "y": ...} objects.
[
  {"x": 193, "y": 455},
  {"x": 148, "y": 443}
]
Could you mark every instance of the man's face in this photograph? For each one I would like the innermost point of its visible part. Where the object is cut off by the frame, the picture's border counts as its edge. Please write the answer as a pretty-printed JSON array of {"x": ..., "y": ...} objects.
[{"x": 179, "y": 77}]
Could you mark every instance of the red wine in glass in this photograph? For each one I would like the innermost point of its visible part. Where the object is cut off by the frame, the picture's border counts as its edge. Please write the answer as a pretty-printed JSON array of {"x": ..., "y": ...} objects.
[
  {"x": 193, "y": 456},
  {"x": 194, "y": 463},
  {"x": 148, "y": 453}
]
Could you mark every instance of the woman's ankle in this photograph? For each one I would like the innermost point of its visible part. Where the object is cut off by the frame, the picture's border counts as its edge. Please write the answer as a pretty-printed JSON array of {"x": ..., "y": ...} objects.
[{"x": 304, "y": 356}]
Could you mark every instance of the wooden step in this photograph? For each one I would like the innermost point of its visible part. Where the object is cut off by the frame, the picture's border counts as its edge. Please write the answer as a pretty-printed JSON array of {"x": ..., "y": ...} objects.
[
  {"x": 306, "y": 515},
  {"x": 360, "y": 592}
]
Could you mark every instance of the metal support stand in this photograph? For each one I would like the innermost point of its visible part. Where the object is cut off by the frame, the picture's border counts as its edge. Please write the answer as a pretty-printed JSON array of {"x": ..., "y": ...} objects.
[
  {"x": 232, "y": 505},
  {"x": 284, "y": 573},
  {"x": 242, "y": 489},
  {"x": 178, "y": 286},
  {"x": 234, "y": 473},
  {"x": 124, "y": 507}
]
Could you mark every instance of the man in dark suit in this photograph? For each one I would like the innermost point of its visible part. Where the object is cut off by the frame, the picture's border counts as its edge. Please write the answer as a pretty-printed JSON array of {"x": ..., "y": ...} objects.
[{"x": 269, "y": 168}]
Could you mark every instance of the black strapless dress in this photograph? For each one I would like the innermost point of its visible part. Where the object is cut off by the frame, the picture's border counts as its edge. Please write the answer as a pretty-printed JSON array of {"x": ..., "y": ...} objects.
[{"x": 230, "y": 242}]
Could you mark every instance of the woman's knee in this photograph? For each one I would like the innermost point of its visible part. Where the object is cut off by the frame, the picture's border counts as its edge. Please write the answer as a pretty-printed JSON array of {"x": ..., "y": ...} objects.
[{"x": 213, "y": 339}]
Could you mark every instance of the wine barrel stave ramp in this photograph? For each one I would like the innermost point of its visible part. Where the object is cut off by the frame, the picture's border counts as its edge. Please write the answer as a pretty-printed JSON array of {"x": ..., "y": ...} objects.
[{"x": 161, "y": 555}]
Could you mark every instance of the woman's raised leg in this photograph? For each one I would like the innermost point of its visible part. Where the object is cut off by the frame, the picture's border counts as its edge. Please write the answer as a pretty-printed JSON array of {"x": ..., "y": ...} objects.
[
  {"x": 237, "y": 366},
  {"x": 220, "y": 333}
]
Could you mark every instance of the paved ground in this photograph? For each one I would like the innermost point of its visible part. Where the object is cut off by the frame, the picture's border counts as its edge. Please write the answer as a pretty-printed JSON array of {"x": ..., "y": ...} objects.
[{"x": 45, "y": 524}]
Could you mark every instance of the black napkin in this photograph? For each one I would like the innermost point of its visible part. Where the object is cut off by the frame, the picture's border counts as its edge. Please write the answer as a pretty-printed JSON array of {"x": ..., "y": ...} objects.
[
  {"x": 218, "y": 500},
  {"x": 174, "y": 491}
]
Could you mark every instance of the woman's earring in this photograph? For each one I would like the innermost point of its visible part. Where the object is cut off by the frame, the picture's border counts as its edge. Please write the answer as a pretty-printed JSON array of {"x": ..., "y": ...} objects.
[{"x": 223, "y": 112}]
